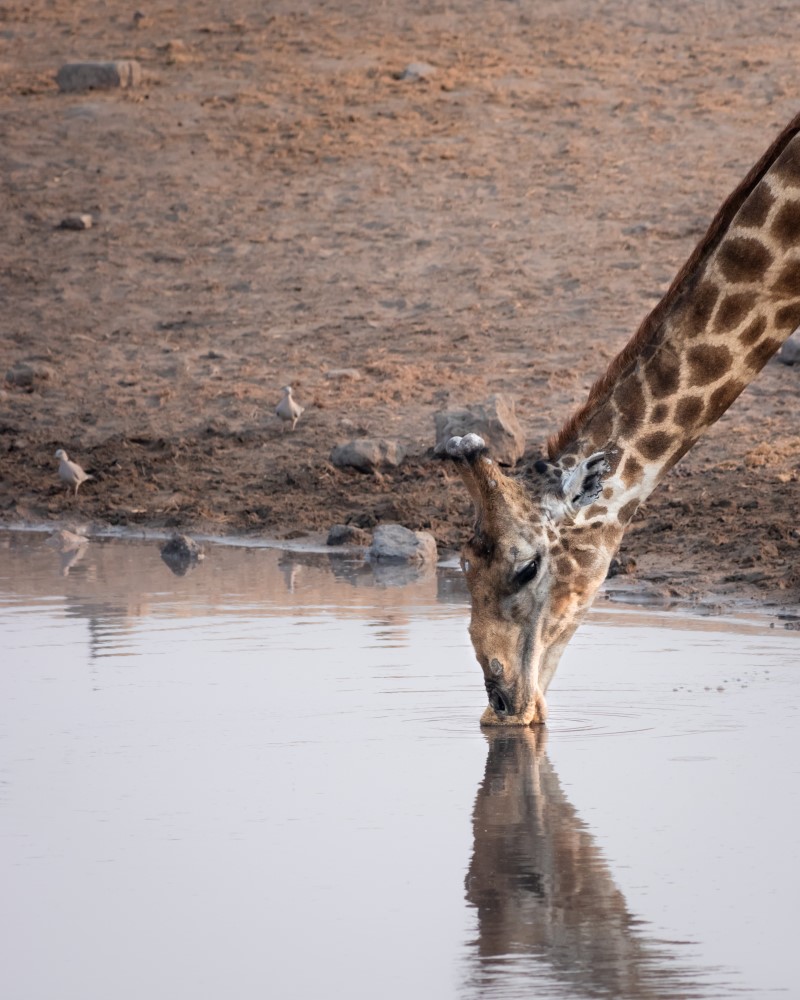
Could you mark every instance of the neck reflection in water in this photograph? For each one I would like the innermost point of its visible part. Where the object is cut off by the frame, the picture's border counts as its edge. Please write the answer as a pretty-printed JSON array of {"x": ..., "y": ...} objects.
[{"x": 547, "y": 904}]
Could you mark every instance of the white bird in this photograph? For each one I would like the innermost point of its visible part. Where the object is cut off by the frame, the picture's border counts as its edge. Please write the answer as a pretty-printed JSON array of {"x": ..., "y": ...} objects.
[
  {"x": 70, "y": 472},
  {"x": 288, "y": 409}
]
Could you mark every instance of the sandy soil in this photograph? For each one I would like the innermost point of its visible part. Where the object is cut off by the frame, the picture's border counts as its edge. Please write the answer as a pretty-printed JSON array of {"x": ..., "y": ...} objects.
[{"x": 274, "y": 203}]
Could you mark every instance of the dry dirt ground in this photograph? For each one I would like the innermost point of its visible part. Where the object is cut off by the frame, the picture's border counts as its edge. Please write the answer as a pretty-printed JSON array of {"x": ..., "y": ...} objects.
[{"x": 275, "y": 202}]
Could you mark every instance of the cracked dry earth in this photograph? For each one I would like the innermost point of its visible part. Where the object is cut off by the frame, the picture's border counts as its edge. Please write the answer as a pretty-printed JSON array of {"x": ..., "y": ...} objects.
[{"x": 274, "y": 203}]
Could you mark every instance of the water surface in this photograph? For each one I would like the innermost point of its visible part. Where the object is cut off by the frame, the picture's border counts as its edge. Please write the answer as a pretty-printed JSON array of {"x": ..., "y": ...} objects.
[{"x": 266, "y": 778}]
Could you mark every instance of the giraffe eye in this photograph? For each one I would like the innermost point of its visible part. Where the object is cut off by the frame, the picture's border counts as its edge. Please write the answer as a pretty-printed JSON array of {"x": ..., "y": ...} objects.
[{"x": 526, "y": 574}]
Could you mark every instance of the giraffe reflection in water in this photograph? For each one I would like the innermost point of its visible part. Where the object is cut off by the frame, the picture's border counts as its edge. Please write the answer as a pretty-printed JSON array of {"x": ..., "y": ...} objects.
[{"x": 547, "y": 903}]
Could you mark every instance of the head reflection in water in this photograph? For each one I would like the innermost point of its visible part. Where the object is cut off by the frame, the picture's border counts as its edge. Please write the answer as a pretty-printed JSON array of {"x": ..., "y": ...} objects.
[{"x": 546, "y": 901}]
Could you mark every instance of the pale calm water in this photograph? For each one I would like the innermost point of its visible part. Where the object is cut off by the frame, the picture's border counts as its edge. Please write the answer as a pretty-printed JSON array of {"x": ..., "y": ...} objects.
[{"x": 265, "y": 779}]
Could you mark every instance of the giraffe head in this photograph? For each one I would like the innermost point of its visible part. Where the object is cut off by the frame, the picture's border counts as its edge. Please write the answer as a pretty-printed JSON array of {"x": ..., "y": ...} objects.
[{"x": 538, "y": 553}]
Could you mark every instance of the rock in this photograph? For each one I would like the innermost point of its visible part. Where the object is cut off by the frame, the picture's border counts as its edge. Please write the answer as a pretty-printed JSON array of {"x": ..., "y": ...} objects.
[
  {"x": 29, "y": 374},
  {"x": 347, "y": 534},
  {"x": 177, "y": 52},
  {"x": 395, "y": 544},
  {"x": 76, "y": 222},
  {"x": 180, "y": 553},
  {"x": 789, "y": 354},
  {"x": 417, "y": 71},
  {"x": 621, "y": 566},
  {"x": 495, "y": 421},
  {"x": 368, "y": 454},
  {"x": 78, "y": 76},
  {"x": 343, "y": 374}
]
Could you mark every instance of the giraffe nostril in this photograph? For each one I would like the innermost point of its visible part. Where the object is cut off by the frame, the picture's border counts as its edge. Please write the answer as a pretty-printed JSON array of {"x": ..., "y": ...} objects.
[
  {"x": 496, "y": 667},
  {"x": 498, "y": 702}
]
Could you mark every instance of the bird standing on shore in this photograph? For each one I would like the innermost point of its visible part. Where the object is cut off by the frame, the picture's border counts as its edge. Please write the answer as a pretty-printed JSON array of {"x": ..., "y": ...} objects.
[
  {"x": 70, "y": 472},
  {"x": 289, "y": 410}
]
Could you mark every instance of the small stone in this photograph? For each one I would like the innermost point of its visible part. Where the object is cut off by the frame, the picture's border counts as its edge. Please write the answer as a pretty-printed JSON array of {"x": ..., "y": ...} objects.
[
  {"x": 76, "y": 222},
  {"x": 368, "y": 454},
  {"x": 495, "y": 421},
  {"x": 29, "y": 374},
  {"x": 394, "y": 543},
  {"x": 417, "y": 71},
  {"x": 343, "y": 374},
  {"x": 347, "y": 534},
  {"x": 79, "y": 76},
  {"x": 789, "y": 354},
  {"x": 180, "y": 553},
  {"x": 624, "y": 566},
  {"x": 176, "y": 52}
]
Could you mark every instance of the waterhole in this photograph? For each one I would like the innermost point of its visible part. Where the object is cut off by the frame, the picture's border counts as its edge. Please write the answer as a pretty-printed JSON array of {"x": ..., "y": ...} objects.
[{"x": 265, "y": 778}]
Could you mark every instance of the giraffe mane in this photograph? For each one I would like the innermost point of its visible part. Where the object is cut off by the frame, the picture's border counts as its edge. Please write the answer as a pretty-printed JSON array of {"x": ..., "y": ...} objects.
[{"x": 683, "y": 283}]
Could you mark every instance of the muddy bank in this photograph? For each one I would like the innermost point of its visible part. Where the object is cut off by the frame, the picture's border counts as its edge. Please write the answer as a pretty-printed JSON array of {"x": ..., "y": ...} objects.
[{"x": 276, "y": 202}]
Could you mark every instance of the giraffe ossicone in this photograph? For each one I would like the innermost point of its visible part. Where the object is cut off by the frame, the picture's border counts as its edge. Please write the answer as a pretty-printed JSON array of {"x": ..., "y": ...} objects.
[{"x": 542, "y": 543}]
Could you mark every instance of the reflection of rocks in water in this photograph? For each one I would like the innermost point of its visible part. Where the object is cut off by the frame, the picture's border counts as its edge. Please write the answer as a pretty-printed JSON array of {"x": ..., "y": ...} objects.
[
  {"x": 181, "y": 554},
  {"x": 546, "y": 899},
  {"x": 400, "y": 574},
  {"x": 451, "y": 587},
  {"x": 363, "y": 573}
]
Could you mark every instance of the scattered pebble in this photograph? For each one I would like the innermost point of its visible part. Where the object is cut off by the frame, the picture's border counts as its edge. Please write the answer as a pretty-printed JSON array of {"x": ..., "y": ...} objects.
[
  {"x": 368, "y": 454},
  {"x": 789, "y": 354},
  {"x": 180, "y": 553},
  {"x": 347, "y": 534},
  {"x": 84, "y": 221},
  {"x": 495, "y": 421},
  {"x": 417, "y": 71},
  {"x": 394, "y": 543},
  {"x": 123, "y": 73},
  {"x": 28, "y": 374},
  {"x": 343, "y": 374}
]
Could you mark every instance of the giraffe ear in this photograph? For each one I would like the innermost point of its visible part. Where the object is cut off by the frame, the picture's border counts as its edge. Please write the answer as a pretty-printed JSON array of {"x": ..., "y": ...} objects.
[{"x": 583, "y": 484}]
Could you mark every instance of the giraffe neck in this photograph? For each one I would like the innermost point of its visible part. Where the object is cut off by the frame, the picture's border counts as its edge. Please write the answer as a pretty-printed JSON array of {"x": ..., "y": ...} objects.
[{"x": 729, "y": 310}]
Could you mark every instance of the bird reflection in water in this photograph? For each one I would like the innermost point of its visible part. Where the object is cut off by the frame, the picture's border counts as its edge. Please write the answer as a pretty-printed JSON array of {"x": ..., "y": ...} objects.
[{"x": 548, "y": 909}]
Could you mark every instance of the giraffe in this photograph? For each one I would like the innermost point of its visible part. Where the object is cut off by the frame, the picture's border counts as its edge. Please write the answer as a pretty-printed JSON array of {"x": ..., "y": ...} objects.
[
  {"x": 545, "y": 896},
  {"x": 541, "y": 547}
]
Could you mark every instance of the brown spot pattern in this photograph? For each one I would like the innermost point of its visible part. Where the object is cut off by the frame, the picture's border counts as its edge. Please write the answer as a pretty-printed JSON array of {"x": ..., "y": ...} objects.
[
  {"x": 663, "y": 373},
  {"x": 762, "y": 352},
  {"x": 787, "y": 166},
  {"x": 659, "y": 414},
  {"x": 751, "y": 333},
  {"x": 742, "y": 258},
  {"x": 688, "y": 411},
  {"x": 564, "y": 566},
  {"x": 629, "y": 400},
  {"x": 653, "y": 446},
  {"x": 632, "y": 471},
  {"x": 627, "y": 511},
  {"x": 786, "y": 225},
  {"x": 733, "y": 309},
  {"x": 584, "y": 557},
  {"x": 700, "y": 308},
  {"x": 722, "y": 397},
  {"x": 601, "y": 426},
  {"x": 755, "y": 210},
  {"x": 707, "y": 363},
  {"x": 788, "y": 316},
  {"x": 788, "y": 281}
]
